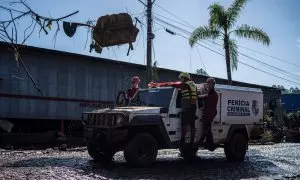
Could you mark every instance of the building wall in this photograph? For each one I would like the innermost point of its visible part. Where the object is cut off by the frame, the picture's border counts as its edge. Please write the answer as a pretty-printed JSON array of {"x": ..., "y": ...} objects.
[{"x": 74, "y": 83}]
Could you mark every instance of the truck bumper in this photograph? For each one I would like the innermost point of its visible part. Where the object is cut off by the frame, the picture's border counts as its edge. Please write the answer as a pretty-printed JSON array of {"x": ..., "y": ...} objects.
[{"x": 104, "y": 135}]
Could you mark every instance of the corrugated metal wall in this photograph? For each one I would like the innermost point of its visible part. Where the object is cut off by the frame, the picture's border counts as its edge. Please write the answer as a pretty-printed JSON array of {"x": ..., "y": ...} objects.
[{"x": 71, "y": 83}]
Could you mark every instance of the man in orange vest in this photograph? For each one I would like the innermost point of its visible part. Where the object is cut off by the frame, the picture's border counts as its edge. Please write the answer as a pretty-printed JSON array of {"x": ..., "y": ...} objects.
[{"x": 188, "y": 105}]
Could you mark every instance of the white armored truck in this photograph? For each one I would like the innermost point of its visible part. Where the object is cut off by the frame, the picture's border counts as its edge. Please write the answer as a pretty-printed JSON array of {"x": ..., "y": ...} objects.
[{"x": 151, "y": 121}]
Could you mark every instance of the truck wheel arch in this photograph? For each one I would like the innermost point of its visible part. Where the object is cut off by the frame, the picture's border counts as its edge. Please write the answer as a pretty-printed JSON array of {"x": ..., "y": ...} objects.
[
  {"x": 153, "y": 125},
  {"x": 236, "y": 128}
]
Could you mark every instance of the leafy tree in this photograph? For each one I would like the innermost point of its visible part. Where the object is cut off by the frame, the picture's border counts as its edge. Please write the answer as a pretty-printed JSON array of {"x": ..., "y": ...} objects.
[
  {"x": 221, "y": 26},
  {"x": 201, "y": 72}
]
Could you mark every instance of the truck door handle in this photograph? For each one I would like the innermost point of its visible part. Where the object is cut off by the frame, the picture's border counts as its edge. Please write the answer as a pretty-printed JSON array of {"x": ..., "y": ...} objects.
[
  {"x": 172, "y": 132},
  {"x": 174, "y": 115}
]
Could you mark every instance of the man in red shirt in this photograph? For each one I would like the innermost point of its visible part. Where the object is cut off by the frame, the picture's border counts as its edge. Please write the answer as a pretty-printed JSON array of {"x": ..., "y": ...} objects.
[
  {"x": 210, "y": 111},
  {"x": 135, "y": 87}
]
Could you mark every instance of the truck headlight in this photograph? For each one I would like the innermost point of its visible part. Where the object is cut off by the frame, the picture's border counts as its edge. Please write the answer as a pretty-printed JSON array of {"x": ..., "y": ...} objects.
[{"x": 119, "y": 119}]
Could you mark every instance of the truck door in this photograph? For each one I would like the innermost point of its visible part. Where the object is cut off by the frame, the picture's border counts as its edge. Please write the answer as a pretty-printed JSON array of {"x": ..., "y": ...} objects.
[
  {"x": 217, "y": 118},
  {"x": 217, "y": 127},
  {"x": 175, "y": 120}
]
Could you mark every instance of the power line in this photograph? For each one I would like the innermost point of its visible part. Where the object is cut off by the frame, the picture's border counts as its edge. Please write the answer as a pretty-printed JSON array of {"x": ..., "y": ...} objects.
[
  {"x": 250, "y": 65},
  {"x": 187, "y": 32},
  {"x": 266, "y": 64},
  {"x": 171, "y": 25},
  {"x": 190, "y": 25},
  {"x": 297, "y": 77},
  {"x": 247, "y": 64},
  {"x": 172, "y": 14},
  {"x": 201, "y": 59},
  {"x": 268, "y": 73},
  {"x": 241, "y": 61},
  {"x": 270, "y": 56}
]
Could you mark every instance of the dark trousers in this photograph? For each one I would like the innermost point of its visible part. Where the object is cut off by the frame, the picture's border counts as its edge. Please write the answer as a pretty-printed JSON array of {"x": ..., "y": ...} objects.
[
  {"x": 188, "y": 117},
  {"x": 207, "y": 133}
]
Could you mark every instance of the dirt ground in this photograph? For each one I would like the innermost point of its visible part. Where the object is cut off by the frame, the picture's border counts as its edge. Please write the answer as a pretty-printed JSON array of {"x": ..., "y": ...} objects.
[{"x": 279, "y": 161}]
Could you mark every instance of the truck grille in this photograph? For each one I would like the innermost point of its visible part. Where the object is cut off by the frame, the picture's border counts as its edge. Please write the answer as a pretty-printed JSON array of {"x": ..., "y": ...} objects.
[{"x": 106, "y": 120}]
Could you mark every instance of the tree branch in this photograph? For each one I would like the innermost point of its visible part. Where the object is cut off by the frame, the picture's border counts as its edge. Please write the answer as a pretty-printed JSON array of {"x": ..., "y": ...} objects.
[
  {"x": 3, "y": 37},
  {"x": 8, "y": 9},
  {"x": 25, "y": 39},
  {"x": 6, "y": 34},
  {"x": 16, "y": 35},
  {"x": 28, "y": 28},
  {"x": 15, "y": 15},
  {"x": 56, "y": 32}
]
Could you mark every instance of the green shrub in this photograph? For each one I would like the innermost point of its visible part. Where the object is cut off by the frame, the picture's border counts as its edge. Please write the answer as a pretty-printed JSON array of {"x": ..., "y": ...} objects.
[{"x": 267, "y": 136}]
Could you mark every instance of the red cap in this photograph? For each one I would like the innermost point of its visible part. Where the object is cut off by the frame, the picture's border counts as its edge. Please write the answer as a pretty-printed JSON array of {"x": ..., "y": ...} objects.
[{"x": 136, "y": 79}]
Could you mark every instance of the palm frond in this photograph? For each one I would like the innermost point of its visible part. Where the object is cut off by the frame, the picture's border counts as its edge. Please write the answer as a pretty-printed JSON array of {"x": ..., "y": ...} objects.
[
  {"x": 203, "y": 32},
  {"x": 254, "y": 33},
  {"x": 216, "y": 12},
  {"x": 234, "y": 11},
  {"x": 233, "y": 51}
]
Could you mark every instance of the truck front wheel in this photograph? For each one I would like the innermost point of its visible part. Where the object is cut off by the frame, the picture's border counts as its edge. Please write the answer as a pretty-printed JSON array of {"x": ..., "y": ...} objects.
[
  {"x": 141, "y": 151},
  {"x": 235, "y": 149},
  {"x": 99, "y": 155}
]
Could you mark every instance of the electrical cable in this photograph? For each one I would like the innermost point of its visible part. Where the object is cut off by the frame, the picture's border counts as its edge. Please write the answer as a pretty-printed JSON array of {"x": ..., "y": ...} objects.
[
  {"x": 297, "y": 77},
  {"x": 242, "y": 62},
  {"x": 191, "y": 26}
]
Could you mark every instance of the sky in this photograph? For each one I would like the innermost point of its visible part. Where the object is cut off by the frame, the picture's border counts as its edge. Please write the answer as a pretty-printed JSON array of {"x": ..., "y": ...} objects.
[{"x": 278, "y": 18}]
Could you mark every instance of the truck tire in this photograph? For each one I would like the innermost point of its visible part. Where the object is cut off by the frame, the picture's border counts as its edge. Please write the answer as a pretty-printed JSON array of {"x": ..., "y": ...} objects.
[
  {"x": 141, "y": 151},
  {"x": 98, "y": 155},
  {"x": 235, "y": 149},
  {"x": 1, "y": 141}
]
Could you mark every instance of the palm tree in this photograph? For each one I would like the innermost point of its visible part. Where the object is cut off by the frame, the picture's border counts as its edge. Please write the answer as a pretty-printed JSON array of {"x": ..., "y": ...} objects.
[{"x": 221, "y": 24}]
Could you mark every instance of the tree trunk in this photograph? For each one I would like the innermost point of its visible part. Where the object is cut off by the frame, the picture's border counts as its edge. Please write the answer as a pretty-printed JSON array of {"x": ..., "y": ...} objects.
[{"x": 227, "y": 56}]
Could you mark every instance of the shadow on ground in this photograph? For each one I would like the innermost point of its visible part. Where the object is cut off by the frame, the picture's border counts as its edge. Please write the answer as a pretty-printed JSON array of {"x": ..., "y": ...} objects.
[{"x": 174, "y": 168}]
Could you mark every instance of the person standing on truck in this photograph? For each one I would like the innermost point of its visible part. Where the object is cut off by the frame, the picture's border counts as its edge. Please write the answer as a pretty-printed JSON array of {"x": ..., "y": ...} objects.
[
  {"x": 188, "y": 105},
  {"x": 210, "y": 111},
  {"x": 135, "y": 87}
]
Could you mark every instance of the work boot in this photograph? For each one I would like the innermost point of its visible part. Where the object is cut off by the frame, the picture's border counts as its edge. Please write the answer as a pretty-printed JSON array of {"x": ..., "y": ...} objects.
[
  {"x": 182, "y": 142},
  {"x": 210, "y": 146}
]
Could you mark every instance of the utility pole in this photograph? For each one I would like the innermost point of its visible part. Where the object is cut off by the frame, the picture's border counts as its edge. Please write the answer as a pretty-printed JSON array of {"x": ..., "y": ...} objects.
[{"x": 150, "y": 36}]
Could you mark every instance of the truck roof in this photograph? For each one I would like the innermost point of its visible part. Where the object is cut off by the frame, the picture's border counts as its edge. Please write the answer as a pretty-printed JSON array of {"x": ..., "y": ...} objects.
[
  {"x": 238, "y": 88},
  {"x": 217, "y": 86}
]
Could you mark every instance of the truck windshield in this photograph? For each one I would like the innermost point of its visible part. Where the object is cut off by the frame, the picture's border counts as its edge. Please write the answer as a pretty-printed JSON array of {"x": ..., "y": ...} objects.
[{"x": 153, "y": 97}]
